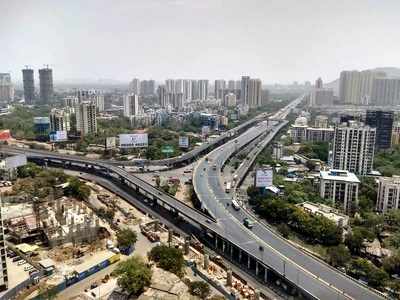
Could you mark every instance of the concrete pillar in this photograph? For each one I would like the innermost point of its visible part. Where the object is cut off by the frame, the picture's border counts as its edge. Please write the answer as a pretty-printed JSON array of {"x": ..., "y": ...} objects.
[
  {"x": 257, "y": 269},
  {"x": 240, "y": 256},
  {"x": 206, "y": 261},
  {"x": 266, "y": 275},
  {"x": 231, "y": 251},
  {"x": 257, "y": 294},
  {"x": 187, "y": 245},
  {"x": 170, "y": 234},
  {"x": 229, "y": 277},
  {"x": 156, "y": 225},
  {"x": 223, "y": 246},
  {"x": 248, "y": 262}
]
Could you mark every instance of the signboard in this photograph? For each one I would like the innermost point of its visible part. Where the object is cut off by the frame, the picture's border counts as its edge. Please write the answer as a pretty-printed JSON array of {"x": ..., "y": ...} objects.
[
  {"x": 58, "y": 136},
  {"x": 205, "y": 130},
  {"x": 5, "y": 135},
  {"x": 15, "y": 161},
  {"x": 184, "y": 141},
  {"x": 111, "y": 142},
  {"x": 167, "y": 149},
  {"x": 136, "y": 140},
  {"x": 264, "y": 177}
]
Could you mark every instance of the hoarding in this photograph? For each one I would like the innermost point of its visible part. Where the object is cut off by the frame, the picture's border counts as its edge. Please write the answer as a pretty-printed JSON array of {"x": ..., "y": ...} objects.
[
  {"x": 5, "y": 135},
  {"x": 15, "y": 161},
  {"x": 111, "y": 142},
  {"x": 58, "y": 136},
  {"x": 167, "y": 149},
  {"x": 205, "y": 130},
  {"x": 264, "y": 177},
  {"x": 136, "y": 140},
  {"x": 184, "y": 142}
]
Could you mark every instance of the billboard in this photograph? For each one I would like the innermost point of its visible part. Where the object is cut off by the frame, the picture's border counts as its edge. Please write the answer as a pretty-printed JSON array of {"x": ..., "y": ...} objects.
[
  {"x": 184, "y": 142},
  {"x": 5, "y": 135},
  {"x": 205, "y": 130},
  {"x": 135, "y": 140},
  {"x": 58, "y": 136},
  {"x": 15, "y": 161},
  {"x": 111, "y": 142},
  {"x": 264, "y": 177}
]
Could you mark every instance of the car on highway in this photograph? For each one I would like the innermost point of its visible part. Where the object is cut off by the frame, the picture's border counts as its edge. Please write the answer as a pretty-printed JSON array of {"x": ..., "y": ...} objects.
[{"x": 249, "y": 223}]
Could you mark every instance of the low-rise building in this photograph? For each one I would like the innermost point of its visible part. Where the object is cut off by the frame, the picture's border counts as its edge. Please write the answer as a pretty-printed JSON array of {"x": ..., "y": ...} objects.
[
  {"x": 341, "y": 187},
  {"x": 326, "y": 211},
  {"x": 319, "y": 134},
  {"x": 388, "y": 193}
]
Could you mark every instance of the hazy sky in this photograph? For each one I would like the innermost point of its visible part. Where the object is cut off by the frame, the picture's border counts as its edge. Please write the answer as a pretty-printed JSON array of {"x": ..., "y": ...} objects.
[{"x": 275, "y": 40}]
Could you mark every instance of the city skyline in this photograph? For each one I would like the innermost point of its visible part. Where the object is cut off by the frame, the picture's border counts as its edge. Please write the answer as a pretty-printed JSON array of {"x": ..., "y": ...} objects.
[{"x": 277, "y": 41}]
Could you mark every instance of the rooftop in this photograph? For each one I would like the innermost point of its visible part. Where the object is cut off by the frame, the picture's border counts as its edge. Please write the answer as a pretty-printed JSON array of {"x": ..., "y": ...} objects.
[{"x": 339, "y": 175}]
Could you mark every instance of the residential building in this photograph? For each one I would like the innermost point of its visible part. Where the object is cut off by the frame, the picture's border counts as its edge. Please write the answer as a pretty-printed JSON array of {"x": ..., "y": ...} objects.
[
  {"x": 203, "y": 89},
  {"x": 383, "y": 122},
  {"x": 255, "y": 93},
  {"x": 353, "y": 147},
  {"x": 46, "y": 85},
  {"x": 6, "y": 88},
  {"x": 134, "y": 86},
  {"x": 321, "y": 121},
  {"x": 319, "y": 134},
  {"x": 71, "y": 101},
  {"x": 318, "y": 209},
  {"x": 231, "y": 85},
  {"x": 396, "y": 134},
  {"x": 170, "y": 86},
  {"x": 318, "y": 83},
  {"x": 229, "y": 100},
  {"x": 321, "y": 97},
  {"x": 298, "y": 130},
  {"x": 93, "y": 96},
  {"x": 59, "y": 120},
  {"x": 219, "y": 87},
  {"x": 388, "y": 194},
  {"x": 277, "y": 151},
  {"x": 355, "y": 87},
  {"x": 147, "y": 87},
  {"x": 341, "y": 187},
  {"x": 187, "y": 90},
  {"x": 86, "y": 118},
  {"x": 386, "y": 91},
  {"x": 29, "y": 86},
  {"x": 162, "y": 96},
  {"x": 244, "y": 90},
  {"x": 176, "y": 100},
  {"x": 131, "y": 105}
]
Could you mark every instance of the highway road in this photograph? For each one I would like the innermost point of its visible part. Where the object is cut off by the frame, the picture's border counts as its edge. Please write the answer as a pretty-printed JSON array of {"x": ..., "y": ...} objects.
[{"x": 311, "y": 274}]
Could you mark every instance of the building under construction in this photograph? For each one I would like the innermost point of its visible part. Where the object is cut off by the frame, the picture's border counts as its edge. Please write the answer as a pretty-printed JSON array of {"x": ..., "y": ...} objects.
[{"x": 55, "y": 221}]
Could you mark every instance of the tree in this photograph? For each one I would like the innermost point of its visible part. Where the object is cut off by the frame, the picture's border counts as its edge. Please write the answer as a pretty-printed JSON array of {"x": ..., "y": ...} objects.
[
  {"x": 169, "y": 259},
  {"x": 338, "y": 255},
  {"x": 284, "y": 230},
  {"x": 133, "y": 275},
  {"x": 377, "y": 277},
  {"x": 126, "y": 238},
  {"x": 200, "y": 289},
  {"x": 391, "y": 264},
  {"x": 77, "y": 189},
  {"x": 354, "y": 241}
]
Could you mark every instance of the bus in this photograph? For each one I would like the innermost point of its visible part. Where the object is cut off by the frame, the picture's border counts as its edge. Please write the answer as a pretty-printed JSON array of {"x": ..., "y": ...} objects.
[
  {"x": 228, "y": 187},
  {"x": 235, "y": 204}
]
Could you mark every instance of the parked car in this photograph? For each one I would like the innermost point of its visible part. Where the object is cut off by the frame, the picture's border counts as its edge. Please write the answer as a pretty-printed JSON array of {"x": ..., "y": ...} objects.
[{"x": 21, "y": 262}]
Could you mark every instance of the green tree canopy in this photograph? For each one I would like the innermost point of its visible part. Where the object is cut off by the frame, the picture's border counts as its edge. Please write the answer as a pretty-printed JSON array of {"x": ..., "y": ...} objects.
[
  {"x": 168, "y": 258},
  {"x": 133, "y": 275},
  {"x": 126, "y": 237}
]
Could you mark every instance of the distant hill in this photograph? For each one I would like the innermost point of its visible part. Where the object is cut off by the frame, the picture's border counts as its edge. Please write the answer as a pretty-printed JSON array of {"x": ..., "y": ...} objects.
[{"x": 391, "y": 72}]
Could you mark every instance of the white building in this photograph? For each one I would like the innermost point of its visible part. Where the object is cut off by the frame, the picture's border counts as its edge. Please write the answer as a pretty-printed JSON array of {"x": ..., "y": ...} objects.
[
  {"x": 203, "y": 89},
  {"x": 353, "y": 148},
  {"x": 230, "y": 100},
  {"x": 388, "y": 193},
  {"x": 321, "y": 121},
  {"x": 219, "y": 87},
  {"x": 131, "y": 105},
  {"x": 6, "y": 88},
  {"x": 299, "y": 129},
  {"x": 277, "y": 151},
  {"x": 321, "y": 97},
  {"x": 341, "y": 187},
  {"x": 86, "y": 118},
  {"x": 386, "y": 91},
  {"x": 93, "y": 96},
  {"x": 326, "y": 211},
  {"x": 134, "y": 86},
  {"x": 319, "y": 134},
  {"x": 59, "y": 120}
]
